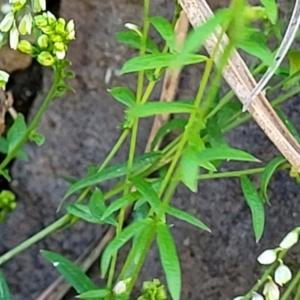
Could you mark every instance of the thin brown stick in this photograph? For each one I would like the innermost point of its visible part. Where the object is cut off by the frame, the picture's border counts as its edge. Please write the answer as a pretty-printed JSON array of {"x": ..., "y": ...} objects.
[
  {"x": 241, "y": 81},
  {"x": 58, "y": 289}
]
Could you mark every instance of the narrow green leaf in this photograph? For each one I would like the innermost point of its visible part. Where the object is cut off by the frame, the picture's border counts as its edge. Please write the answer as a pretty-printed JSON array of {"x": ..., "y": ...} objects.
[
  {"x": 289, "y": 125},
  {"x": 4, "y": 291},
  {"x": 207, "y": 165},
  {"x": 169, "y": 260},
  {"x": 165, "y": 29},
  {"x": 132, "y": 39},
  {"x": 294, "y": 75},
  {"x": 257, "y": 49},
  {"x": 271, "y": 10},
  {"x": 83, "y": 212},
  {"x": 154, "y": 108},
  {"x": 189, "y": 168},
  {"x": 186, "y": 217},
  {"x": 267, "y": 174},
  {"x": 227, "y": 111},
  {"x": 95, "y": 294},
  {"x": 124, "y": 95},
  {"x": 160, "y": 60},
  {"x": 5, "y": 174},
  {"x": 120, "y": 203},
  {"x": 38, "y": 138},
  {"x": 225, "y": 154},
  {"x": 16, "y": 132},
  {"x": 256, "y": 206},
  {"x": 76, "y": 278},
  {"x": 139, "y": 165},
  {"x": 174, "y": 124},
  {"x": 215, "y": 135},
  {"x": 120, "y": 241},
  {"x": 198, "y": 36},
  {"x": 147, "y": 192},
  {"x": 96, "y": 204}
]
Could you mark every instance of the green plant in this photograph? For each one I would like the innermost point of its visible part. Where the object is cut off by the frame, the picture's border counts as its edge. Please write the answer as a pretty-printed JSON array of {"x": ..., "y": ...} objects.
[{"x": 148, "y": 182}]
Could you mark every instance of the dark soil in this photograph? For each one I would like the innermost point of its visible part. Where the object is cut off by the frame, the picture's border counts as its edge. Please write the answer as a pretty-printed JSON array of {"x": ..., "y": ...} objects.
[{"x": 81, "y": 128}]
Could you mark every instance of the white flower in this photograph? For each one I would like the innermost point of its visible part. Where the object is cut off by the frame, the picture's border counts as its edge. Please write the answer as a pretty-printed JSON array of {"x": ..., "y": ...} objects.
[
  {"x": 282, "y": 275},
  {"x": 267, "y": 257},
  {"x": 7, "y": 22},
  {"x": 120, "y": 288},
  {"x": 14, "y": 37},
  {"x": 238, "y": 298},
  {"x": 257, "y": 297},
  {"x": 290, "y": 239},
  {"x": 25, "y": 25},
  {"x": 38, "y": 5},
  {"x": 4, "y": 76},
  {"x": 271, "y": 290},
  {"x": 133, "y": 27},
  {"x": 5, "y": 8}
]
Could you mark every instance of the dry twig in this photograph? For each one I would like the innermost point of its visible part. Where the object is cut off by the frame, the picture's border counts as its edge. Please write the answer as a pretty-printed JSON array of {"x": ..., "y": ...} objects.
[{"x": 241, "y": 81}]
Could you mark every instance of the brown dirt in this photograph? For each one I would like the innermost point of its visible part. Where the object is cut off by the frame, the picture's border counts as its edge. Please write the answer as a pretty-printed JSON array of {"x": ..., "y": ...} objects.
[{"x": 80, "y": 129}]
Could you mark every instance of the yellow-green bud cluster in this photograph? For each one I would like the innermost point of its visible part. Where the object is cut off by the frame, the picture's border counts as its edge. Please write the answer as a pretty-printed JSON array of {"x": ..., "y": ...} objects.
[
  {"x": 7, "y": 203},
  {"x": 52, "y": 43},
  {"x": 52, "y": 34}
]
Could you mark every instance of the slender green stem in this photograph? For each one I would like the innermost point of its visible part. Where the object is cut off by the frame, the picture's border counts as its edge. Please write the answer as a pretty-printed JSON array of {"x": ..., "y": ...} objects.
[
  {"x": 65, "y": 219},
  {"x": 36, "y": 120},
  {"x": 231, "y": 174},
  {"x": 297, "y": 296},
  {"x": 264, "y": 278},
  {"x": 34, "y": 239},
  {"x": 133, "y": 140},
  {"x": 291, "y": 287}
]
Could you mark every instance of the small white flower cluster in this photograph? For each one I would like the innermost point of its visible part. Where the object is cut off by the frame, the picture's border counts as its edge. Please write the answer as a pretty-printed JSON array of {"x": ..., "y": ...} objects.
[
  {"x": 282, "y": 273},
  {"x": 52, "y": 35}
]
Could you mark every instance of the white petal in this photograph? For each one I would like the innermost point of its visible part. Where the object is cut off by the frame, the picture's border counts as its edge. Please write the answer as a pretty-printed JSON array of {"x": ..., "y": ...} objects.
[
  {"x": 14, "y": 37},
  {"x": 267, "y": 257},
  {"x": 282, "y": 275},
  {"x": 120, "y": 288},
  {"x": 289, "y": 240},
  {"x": 7, "y": 22}
]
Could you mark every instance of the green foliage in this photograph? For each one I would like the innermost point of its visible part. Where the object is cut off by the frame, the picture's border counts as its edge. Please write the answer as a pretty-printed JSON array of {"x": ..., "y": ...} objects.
[
  {"x": 149, "y": 181},
  {"x": 256, "y": 206},
  {"x": 75, "y": 277},
  {"x": 169, "y": 260},
  {"x": 267, "y": 175},
  {"x": 4, "y": 291}
]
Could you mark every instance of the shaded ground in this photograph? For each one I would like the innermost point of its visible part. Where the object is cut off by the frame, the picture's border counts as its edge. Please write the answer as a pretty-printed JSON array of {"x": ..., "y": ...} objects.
[{"x": 80, "y": 130}]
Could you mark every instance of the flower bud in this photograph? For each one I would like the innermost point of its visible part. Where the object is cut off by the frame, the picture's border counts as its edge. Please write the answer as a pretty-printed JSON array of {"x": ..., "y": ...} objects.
[
  {"x": 267, "y": 257},
  {"x": 18, "y": 4},
  {"x": 38, "y": 5},
  {"x": 133, "y": 27},
  {"x": 46, "y": 59},
  {"x": 120, "y": 288},
  {"x": 70, "y": 26},
  {"x": 290, "y": 239},
  {"x": 257, "y": 297},
  {"x": 40, "y": 21},
  {"x": 271, "y": 290},
  {"x": 60, "y": 26},
  {"x": 25, "y": 25},
  {"x": 14, "y": 37},
  {"x": 51, "y": 18},
  {"x": 4, "y": 76},
  {"x": 43, "y": 41},
  {"x": 25, "y": 47},
  {"x": 282, "y": 275},
  {"x": 7, "y": 22}
]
